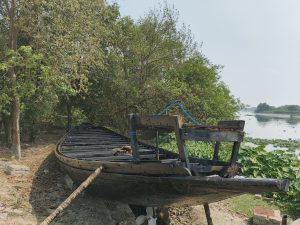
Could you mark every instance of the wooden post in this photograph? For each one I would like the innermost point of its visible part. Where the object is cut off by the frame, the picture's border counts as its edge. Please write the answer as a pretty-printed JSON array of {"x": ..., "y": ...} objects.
[
  {"x": 235, "y": 152},
  {"x": 133, "y": 137},
  {"x": 183, "y": 154},
  {"x": 68, "y": 201},
  {"x": 157, "y": 145},
  {"x": 207, "y": 213},
  {"x": 284, "y": 220},
  {"x": 216, "y": 152}
]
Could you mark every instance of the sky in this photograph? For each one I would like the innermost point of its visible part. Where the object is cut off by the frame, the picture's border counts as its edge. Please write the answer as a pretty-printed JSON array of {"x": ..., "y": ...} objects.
[{"x": 257, "y": 42}]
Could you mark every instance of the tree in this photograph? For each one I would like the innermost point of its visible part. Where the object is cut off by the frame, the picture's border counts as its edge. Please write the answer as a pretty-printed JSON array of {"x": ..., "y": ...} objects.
[
  {"x": 8, "y": 10},
  {"x": 151, "y": 63},
  {"x": 263, "y": 107}
]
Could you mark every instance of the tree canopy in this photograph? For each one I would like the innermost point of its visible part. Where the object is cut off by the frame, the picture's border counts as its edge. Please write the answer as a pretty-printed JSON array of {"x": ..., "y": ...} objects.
[{"x": 81, "y": 61}]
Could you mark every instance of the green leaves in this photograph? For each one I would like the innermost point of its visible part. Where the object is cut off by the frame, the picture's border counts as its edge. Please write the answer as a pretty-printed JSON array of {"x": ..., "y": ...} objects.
[{"x": 278, "y": 164}]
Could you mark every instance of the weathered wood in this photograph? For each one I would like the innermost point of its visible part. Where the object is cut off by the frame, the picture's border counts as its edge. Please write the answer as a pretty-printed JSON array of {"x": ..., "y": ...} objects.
[
  {"x": 233, "y": 124},
  {"x": 132, "y": 120},
  {"x": 207, "y": 214},
  {"x": 198, "y": 168},
  {"x": 101, "y": 152},
  {"x": 172, "y": 190},
  {"x": 216, "y": 151},
  {"x": 284, "y": 220},
  {"x": 157, "y": 144},
  {"x": 164, "y": 121},
  {"x": 120, "y": 157},
  {"x": 156, "y": 121},
  {"x": 152, "y": 168},
  {"x": 154, "y": 182},
  {"x": 200, "y": 134},
  {"x": 235, "y": 152},
  {"x": 68, "y": 201}
]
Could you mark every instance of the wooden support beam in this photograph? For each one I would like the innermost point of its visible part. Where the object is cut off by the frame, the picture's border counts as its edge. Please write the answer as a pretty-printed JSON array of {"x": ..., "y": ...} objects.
[
  {"x": 235, "y": 152},
  {"x": 133, "y": 136},
  {"x": 207, "y": 213},
  {"x": 216, "y": 151},
  {"x": 68, "y": 201},
  {"x": 203, "y": 134},
  {"x": 164, "y": 122}
]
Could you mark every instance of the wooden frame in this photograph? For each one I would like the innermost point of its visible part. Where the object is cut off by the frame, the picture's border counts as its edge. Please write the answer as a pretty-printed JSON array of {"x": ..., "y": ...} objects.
[
  {"x": 229, "y": 131},
  {"x": 165, "y": 122}
]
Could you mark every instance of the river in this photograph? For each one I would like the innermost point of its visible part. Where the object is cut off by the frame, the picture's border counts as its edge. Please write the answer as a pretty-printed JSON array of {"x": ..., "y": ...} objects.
[{"x": 271, "y": 126}]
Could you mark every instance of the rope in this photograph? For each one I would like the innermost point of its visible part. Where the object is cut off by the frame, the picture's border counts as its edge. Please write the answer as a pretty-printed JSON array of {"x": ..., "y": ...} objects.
[
  {"x": 183, "y": 110},
  {"x": 68, "y": 201}
]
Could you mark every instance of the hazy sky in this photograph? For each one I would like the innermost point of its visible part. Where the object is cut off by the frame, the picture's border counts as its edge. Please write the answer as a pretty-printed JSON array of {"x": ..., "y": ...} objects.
[{"x": 257, "y": 42}]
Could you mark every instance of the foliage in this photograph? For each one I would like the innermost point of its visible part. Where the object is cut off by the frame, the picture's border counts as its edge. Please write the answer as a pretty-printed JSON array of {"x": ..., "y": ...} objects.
[
  {"x": 203, "y": 150},
  {"x": 37, "y": 86},
  {"x": 245, "y": 204},
  {"x": 256, "y": 162},
  {"x": 263, "y": 107},
  {"x": 97, "y": 66},
  {"x": 290, "y": 144},
  {"x": 286, "y": 109},
  {"x": 278, "y": 164}
]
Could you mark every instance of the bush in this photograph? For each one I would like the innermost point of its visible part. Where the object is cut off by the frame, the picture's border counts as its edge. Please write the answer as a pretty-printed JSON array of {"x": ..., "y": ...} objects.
[
  {"x": 278, "y": 164},
  {"x": 257, "y": 163}
]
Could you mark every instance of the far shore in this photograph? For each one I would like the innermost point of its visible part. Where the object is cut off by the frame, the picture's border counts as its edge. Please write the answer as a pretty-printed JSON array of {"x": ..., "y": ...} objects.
[{"x": 274, "y": 115}]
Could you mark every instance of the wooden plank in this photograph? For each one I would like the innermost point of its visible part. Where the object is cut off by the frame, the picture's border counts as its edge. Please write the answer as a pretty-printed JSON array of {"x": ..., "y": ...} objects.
[
  {"x": 200, "y": 134},
  {"x": 98, "y": 150},
  {"x": 165, "y": 121},
  {"x": 234, "y": 124},
  {"x": 93, "y": 135},
  {"x": 96, "y": 146},
  {"x": 98, "y": 153},
  {"x": 85, "y": 143},
  {"x": 151, "y": 168},
  {"x": 156, "y": 121},
  {"x": 101, "y": 138},
  {"x": 121, "y": 157}
]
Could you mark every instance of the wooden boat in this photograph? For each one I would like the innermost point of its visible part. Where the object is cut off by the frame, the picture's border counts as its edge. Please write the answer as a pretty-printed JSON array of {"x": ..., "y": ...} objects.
[{"x": 151, "y": 176}]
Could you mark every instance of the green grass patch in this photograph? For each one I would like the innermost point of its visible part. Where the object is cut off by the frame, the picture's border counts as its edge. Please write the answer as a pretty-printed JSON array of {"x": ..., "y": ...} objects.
[{"x": 244, "y": 204}]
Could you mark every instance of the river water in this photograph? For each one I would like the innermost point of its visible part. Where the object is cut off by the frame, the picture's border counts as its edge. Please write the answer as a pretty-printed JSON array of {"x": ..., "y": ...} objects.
[{"x": 271, "y": 126}]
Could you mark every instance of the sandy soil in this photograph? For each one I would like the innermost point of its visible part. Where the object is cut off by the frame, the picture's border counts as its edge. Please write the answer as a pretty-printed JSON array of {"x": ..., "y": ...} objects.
[{"x": 27, "y": 200}]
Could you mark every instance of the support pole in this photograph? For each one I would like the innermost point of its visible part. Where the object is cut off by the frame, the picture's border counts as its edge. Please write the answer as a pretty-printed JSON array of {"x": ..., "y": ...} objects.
[
  {"x": 133, "y": 137},
  {"x": 284, "y": 220},
  {"x": 207, "y": 213},
  {"x": 67, "y": 202}
]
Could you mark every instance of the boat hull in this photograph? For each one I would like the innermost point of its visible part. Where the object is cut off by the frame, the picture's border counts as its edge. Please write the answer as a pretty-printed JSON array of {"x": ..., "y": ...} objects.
[{"x": 171, "y": 191}]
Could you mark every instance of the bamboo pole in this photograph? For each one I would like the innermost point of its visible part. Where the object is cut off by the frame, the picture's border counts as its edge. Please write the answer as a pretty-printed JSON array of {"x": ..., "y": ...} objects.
[{"x": 68, "y": 201}]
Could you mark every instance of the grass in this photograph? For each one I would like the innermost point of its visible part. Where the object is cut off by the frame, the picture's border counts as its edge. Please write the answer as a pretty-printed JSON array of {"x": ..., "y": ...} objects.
[{"x": 244, "y": 204}]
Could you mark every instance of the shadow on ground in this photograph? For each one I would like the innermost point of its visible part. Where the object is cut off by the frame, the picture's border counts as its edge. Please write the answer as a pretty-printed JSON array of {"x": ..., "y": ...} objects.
[{"x": 49, "y": 190}]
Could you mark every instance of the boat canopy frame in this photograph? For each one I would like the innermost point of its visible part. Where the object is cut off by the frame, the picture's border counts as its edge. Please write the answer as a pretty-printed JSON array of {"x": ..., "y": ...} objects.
[{"x": 225, "y": 131}]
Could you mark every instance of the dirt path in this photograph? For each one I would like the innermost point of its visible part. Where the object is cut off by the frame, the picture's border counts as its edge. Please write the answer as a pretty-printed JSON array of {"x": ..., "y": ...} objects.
[{"x": 27, "y": 200}]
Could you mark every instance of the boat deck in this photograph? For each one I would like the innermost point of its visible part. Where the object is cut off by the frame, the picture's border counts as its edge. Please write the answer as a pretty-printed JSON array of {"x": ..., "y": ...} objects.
[{"x": 102, "y": 144}]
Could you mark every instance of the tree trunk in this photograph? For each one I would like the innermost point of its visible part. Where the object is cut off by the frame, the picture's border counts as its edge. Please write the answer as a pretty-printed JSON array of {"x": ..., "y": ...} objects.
[
  {"x": 7, "y": 130},
  {"x": 15, "y": 119},
  {"x": 15, "y": 109}
]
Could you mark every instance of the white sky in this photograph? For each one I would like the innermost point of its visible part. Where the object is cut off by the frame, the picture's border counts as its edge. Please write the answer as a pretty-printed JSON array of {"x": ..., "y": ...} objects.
[{"x": 257, "y": 42}]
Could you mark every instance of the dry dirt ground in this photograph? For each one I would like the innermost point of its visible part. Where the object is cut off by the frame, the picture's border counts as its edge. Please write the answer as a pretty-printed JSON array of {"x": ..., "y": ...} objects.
[{"x": 27, "y": 200}]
